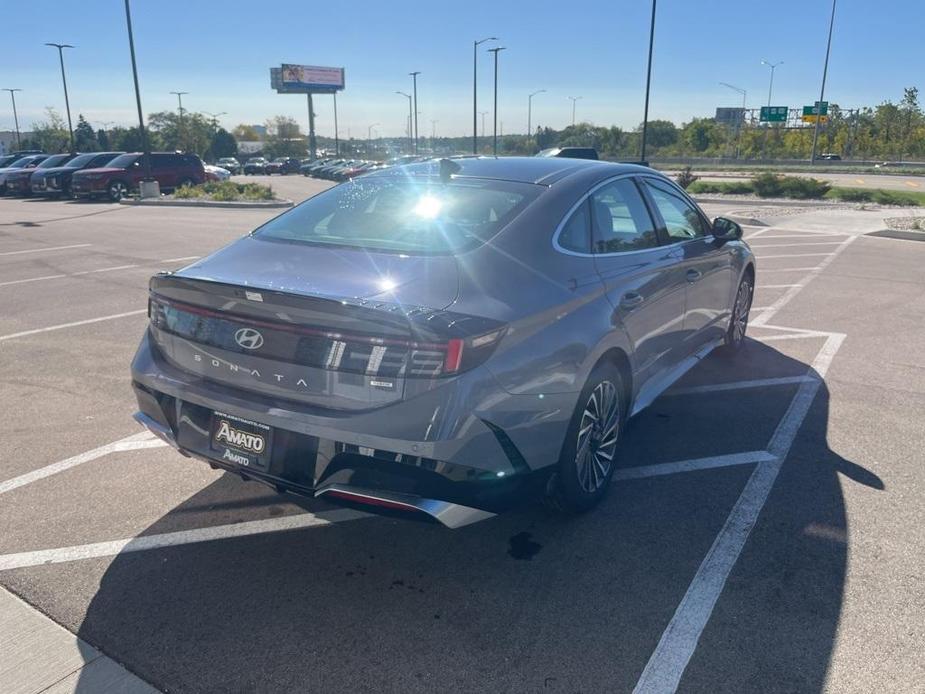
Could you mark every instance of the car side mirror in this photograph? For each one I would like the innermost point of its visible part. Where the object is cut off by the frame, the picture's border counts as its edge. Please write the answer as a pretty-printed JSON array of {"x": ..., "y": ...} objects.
[{"x": 726, "y": 230}]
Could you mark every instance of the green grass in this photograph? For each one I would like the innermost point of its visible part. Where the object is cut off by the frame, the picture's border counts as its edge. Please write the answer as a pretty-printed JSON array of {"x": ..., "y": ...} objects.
[
  {"x": 878, "y": 196},
  {"x": 226, "y": 191}
]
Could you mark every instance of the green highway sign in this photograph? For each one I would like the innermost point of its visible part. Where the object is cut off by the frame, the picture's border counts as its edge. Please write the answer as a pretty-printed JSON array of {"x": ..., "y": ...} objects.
[
  {"x": 774, "y": 114},
  {"x": 811, "y": 110}
]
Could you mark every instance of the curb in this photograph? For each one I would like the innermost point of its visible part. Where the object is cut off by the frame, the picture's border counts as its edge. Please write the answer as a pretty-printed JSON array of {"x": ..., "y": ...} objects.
[
  {"x": 241, "y": 205},
  {"x": 768, "y": 202}
]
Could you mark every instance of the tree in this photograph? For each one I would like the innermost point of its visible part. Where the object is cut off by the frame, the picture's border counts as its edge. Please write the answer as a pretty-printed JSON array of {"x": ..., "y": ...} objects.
[
  {"x": 129, "y": 140},
  {"x": 51, "y": 135},
  {"x": 660, "y": 133},
  {"x": 245, "y": 133},
  {"x": 84, "y": 137},
  {"x": 284, "y": 138},
  {"x": 912, "y": 115},
  {"x": 190, "y": 133},
  {"x": 223, "y": 144},
  {"x": 102, "y": 137}
]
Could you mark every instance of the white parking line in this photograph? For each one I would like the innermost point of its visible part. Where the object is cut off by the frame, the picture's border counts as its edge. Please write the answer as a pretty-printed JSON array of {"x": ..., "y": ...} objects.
[
  {"x": 667, "y": 663},
  {"x": 129, "y": 443},
  {"x": 62, "y": 326},
  {"x": 774, "y": 286},
  {"x": 739, "y": 385},
  {"x": 50, "y": 248},
  {"x": 793, "y": 291},
  {"x": 795, "y": 245},
  {"x": 790, "y": 269},
  {"x": 182, "y": 537},
  {"x": 747, "y": 458},
  {"x": 790, "y": 255},
  {"x": 72, "y": 274},
  {"x": 177, "y": 260}
]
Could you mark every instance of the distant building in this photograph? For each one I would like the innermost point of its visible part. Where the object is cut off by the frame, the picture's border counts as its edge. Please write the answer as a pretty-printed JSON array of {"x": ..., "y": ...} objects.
[{"x": 261, "y": 130}]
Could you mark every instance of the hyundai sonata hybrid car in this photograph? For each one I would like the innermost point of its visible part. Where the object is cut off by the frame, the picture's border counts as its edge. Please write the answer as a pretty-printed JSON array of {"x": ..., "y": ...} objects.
[{"x": 446, "y": 338}]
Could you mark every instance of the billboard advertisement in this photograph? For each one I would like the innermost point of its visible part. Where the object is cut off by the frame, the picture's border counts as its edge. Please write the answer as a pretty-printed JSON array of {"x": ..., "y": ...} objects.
[{"x": 311, "y": 78}]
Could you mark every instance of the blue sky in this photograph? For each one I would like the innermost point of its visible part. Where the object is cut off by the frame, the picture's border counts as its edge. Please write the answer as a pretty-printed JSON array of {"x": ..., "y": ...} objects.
[{"x": 221, "y": 52}]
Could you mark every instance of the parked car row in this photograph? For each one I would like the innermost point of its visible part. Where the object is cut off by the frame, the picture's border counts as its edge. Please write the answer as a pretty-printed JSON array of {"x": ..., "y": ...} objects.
[
  {"x": 340, "y": 169},
  {"x": 99, "y": 174}
]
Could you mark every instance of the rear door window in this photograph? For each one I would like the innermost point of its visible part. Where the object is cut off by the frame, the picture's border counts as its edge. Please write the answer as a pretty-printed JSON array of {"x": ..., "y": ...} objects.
[{"x": 620, "y": 220}]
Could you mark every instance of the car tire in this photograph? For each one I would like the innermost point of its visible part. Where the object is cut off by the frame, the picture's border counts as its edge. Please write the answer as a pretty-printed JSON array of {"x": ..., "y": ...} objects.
[
  {"x": 116, "y": 190},
  {"x": 589, "y": 452},
  {"x": 738, "y": 321}
]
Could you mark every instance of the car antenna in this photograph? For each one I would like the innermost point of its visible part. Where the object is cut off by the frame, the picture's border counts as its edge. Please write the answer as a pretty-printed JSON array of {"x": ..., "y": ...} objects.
[{"x": 448, "y": 167}]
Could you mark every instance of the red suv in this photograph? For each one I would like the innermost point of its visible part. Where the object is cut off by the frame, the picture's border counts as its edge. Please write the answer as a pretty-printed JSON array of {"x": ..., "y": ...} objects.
[{"x": 122, "y": 175}]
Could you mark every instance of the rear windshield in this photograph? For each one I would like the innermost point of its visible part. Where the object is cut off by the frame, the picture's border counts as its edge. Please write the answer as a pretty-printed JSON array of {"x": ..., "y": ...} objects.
[
  {"x": 401, "y": 214},
  {"x": 123, "y": 161}
]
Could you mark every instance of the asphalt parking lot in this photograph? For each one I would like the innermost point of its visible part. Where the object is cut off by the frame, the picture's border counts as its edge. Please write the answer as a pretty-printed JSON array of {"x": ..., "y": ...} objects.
[{"x": 765, "y": 531}]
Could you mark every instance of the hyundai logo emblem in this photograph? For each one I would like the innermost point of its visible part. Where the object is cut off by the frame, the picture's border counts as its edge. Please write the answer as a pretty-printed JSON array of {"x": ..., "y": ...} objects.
[{"x": 249, "y": 338}]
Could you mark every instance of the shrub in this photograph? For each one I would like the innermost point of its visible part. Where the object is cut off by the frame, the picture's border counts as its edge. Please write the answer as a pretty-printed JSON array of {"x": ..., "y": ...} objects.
[
  {"x": 854, "y": 195},
  {"x": 885, "y": 197},
  {"x": 187, "y": 192},
  {"x": 768, "y": 185},
  {"x": 726, "y": 188},
  {"x": 686, "y": 177},
  {"x": 226, "y": 191}
]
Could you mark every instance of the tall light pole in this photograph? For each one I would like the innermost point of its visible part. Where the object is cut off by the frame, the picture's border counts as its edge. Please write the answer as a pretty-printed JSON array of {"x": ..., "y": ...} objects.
[
  {"x": 369, "y": 136},
  {"x": 67, "y": 103},
  {"x": 475, "y": 85},
  {"x": 414, "y": 80},
  {"x": 773, "y": 66},
  {"x": 410, "y": 120},
  {"x": 214, "y": 118},
  {"x": 433, "y": 131},
  {"x": 495, "y": 137},
  {"x": 15, "y": 116},
  {"x": 530, "y": 111},
  {"x": 645, "y": 111},
  {"x": 483, "y": 114},
  {"x": 152, "y": 189},
  {"x": 180, "y": 111},
  {"x": 574, "y": 99},
  {"x": 825, "y": 71},
  {"x": 336, "y": 134},
  {"x": 738, "y": 120}
]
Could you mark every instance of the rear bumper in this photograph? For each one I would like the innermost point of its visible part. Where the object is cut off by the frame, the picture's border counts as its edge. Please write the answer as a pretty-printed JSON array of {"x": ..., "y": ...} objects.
[{"x": 486, "y": 452}]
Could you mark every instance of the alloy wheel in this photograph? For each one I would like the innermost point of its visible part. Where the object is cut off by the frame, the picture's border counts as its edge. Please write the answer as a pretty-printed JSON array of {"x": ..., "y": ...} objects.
[
  {"x": 740, "y": 311},
  {"x": 117, "y": 190},
  {"x": 597, "y": 436}
]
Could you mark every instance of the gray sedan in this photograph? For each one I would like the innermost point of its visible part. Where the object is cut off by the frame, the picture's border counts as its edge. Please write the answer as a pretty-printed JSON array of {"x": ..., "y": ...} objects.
[{"x": 444, "y": 339}]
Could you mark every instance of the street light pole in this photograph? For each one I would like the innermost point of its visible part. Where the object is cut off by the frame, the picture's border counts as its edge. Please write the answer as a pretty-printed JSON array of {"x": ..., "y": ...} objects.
[
  {"x": 825, "y": 71},
  {"x": 214, "y": 117},
  {"x": 153, "y": 190},
  {"x": 15, "y": 117},
  {"x": 336, "y": 136},
  {"x": 530, "y": 111},
  {"x": 410, "y": 119},
  {"x": 574, "y": 99},
  {"x": 433, "y": 131},
  {"x": 645, "y": 112},
  {"x": 180, "y": 112},
  {"x": 495, "y": 136},
  {"x": 771, "y": 85},
  {"x": 369, "y": 135},
  {"x": 744, "y": 94},
  {"x": 67, "y": 103},
  {"x": 483, "y": 114},
  {"x": 475, "y": 83},
  {"x": 414, "y": 79}
]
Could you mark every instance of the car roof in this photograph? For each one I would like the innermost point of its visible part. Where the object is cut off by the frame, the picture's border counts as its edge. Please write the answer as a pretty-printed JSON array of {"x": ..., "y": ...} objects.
[{"x": 540, "y": 170}]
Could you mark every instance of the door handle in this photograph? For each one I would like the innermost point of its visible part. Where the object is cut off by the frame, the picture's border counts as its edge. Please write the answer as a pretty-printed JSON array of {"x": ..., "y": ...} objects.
[
  {"x": 693, "y": 275},
  {"x": 631, "y": 300}
]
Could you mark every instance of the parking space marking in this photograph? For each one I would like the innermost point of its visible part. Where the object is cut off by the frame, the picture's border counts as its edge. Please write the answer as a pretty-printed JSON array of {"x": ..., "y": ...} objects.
[
  {"x": 43, "y": 250},
  {"x": 182, "y": 537},
  {"x": 678, "y": 642},
  {"x": 803, "y": 235},
  {"x": 62, "y": 326},
  {"x": 775, "y": 286},
  {"x": 177, "y": 260},
  {"x": 71, "y": 274},
  {"x": 739, "y": 385},
  {"x": 129, "y": 443},
  {"x": 790, "y": 255},
  {"x": 660, "y": 469},
  {"x": 795, "y": 245},
  {"x": 793, "y": 291},
  {"x": 790, "y": 269}
]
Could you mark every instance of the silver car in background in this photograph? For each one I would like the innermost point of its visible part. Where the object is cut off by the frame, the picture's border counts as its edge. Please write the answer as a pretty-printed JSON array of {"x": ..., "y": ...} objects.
[{"x": 446, "y": 338}]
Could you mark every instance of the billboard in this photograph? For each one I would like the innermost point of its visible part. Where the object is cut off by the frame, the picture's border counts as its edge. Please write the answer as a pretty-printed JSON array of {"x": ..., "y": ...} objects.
[
  {"x": 729, "y": 116},
  {"x": 311, "y": 78}
]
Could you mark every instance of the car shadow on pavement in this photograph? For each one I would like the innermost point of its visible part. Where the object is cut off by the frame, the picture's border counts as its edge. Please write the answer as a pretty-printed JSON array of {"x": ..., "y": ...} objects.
[{"x": 526, "y": 601}]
